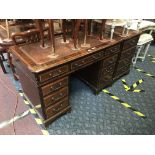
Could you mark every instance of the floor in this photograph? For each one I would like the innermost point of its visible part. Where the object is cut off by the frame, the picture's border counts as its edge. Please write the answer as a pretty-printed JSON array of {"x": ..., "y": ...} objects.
[
  {"x": 101, "y": 114},
  {"x": 25, "y": 125}
]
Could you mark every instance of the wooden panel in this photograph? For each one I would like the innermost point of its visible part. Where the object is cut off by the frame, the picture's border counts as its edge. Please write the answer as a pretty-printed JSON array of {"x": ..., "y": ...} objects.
[
  {"x": 124, "y": 62},
  {"x": 107, "y": 73},
  {"x": 112, "y": 50},
  {"x": 121, "y": 71},
  {"x": 18, "y": 63},
  {"x": 50, "y": 88},
  {"x": 130, "y": 43},
  {"x": 58, "y": 107},
  {"x": 28, "y": 85},
  {"x": 81, "y": 62},
  {"x": 86, "y": 60},
  {"x": 55, "y": 97},
  {"x": 53, "y": 73},
  {"x": 110, "y": 60},
  {"x": 128, "y": 53}
]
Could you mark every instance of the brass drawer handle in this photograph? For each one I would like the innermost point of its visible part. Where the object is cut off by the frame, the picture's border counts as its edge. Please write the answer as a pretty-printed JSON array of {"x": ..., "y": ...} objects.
[
  {"x": 96, "y": 56},
  {"x": 58, "y": 72},
  {"x": 57, "y": 109},
  {"x": 76, "y": 64},
  {"x": 50, "y": 74},
  {"x": 61, "y": 94},
  {"x": 57, "y": 98},
  {"x": 113, "y": 49},
  {"x": 56, "y": 87},
  {"x": 133, "y": 41},
  {"x": 83, "y": 61}
]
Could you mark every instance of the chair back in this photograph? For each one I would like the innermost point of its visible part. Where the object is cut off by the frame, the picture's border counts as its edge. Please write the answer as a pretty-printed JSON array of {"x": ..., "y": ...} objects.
[{"x": 27, "y": 37}]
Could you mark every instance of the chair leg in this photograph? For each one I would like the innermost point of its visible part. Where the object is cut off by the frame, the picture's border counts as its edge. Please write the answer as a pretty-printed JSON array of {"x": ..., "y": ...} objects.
[
  {"x": 2, "y": 65},
  {"x": 146, "y": 50},
  {"x": 134, "y": 60},
  {"x": 12, "y": 66}
]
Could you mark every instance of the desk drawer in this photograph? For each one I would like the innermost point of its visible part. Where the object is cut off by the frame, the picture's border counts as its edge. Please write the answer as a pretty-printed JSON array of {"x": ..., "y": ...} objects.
[
  {"x": 108, "y": 69},
  {"x": 110, "y": 60},
  {"x": 82, "y": 62},
  {"x": 51, "y": 99},
  {"x": 127, "y": 53},
  {"x": 130, "y": 43},
  {"x": 53, "y": 73},
  {"x": 58, "y": 107},
  {"x": 107, "y": 77},
  {"x": 107, "y": 73},
  {"x": 50, "y": 88},
  {"x": 124, "y": 62},
  {"x": 112, "y": 50},
  {"x": 121, "y": 71}
]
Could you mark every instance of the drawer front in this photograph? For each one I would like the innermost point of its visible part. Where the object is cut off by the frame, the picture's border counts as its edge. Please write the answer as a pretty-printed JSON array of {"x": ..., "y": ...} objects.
[
  {"x": 124, "y": 62},
  {"x": 97, "y": 55},
  {"x": 122, "y": 70},
  {"x": 108, "y": 69},
  {"x": 51, "y": 99},
  {"x": 58, "y": 107},
  {"x": 82, "y": 62},
  {"x": 110, "y": 60},
  {"x": 112, "y": 50},
  {"x": 130, "y": 43},
  {"x": 52, "y": 87},
  {"x": 53, "y": 73},
  {"x": 107, "y": 73},
  {"x": 127, "y": 53},
  {"x": 107, "y": 77}
]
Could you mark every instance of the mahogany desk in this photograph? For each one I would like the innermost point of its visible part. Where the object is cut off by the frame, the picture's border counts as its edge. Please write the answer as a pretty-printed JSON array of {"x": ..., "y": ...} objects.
[{"x": 46, "y": 81}]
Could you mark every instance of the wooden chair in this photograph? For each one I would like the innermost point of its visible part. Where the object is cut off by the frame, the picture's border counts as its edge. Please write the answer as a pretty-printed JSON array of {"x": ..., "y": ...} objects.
[
  {"x": 46, "y": 29},
  {"x": 27, "y": 37},
  {"x": 43, "y": 27},
  {"x": 76, "y": 29},
  {"x": 17, "y": 39}
]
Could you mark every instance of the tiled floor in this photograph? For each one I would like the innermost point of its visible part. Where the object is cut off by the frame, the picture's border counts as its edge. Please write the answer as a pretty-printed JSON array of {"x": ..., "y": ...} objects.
[{"x": 101, "y": 114}]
